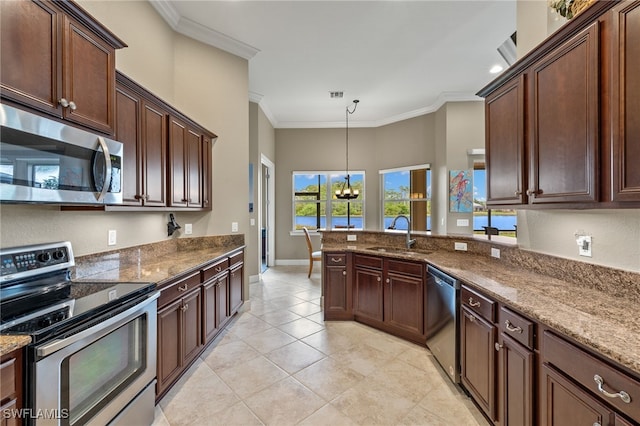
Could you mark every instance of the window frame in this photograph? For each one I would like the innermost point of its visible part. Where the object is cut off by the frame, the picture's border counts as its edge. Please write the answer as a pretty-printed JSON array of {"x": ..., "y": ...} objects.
[
  {"x": 330, "y": 176},
  {"x": 383, "y": 200}
]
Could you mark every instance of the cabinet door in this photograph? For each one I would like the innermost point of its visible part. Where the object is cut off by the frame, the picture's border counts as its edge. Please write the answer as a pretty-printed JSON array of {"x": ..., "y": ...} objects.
[
  {"x": 209, "y": 311},
  {"x": 563, "y": 403},
  {"x": 625, "y": 105},
  {"x": 222, "y": 299},
  {"x": 368, "y": 294},
  {"x": 177, "y": 183},
  {"x": 154, "y": 155},
  {"x": 516, "y": 382},
  {"x": 337, "y": 292},
  {"x": 235, "y": 288},
  {"x": 36, "y": 25},
  {"x": 192, "y": 312},
  {"x": 477, "y": 359},
  {"x": 504, "y": 142},
  {"x": 207, "y": 172},
  {"x": 128, "y": 119},
  {"x": 193, "y": 170},
  {"x": 564, "y": 113},
  {"x": 89, "y": 67},
  {"x": 170, "y": 349},
  {"x": 404, "y": 303},
  {"x": 7, "y": 418}
]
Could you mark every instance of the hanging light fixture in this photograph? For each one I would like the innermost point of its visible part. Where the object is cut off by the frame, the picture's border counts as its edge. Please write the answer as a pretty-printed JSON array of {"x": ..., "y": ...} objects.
[{"x": 347, "y": 192}]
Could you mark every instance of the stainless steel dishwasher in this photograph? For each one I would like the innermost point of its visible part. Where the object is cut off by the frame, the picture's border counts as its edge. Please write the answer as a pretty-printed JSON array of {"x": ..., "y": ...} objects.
[{"x": 443, "y": 295}]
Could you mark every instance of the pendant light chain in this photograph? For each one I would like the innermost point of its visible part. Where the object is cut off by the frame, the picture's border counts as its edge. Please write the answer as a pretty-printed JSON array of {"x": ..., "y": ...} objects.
[{"x": 347, "y": 192}]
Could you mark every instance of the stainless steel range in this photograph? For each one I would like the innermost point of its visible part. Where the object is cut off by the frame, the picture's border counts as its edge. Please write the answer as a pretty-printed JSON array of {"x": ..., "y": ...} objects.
[{"x": 92, "y": 359}]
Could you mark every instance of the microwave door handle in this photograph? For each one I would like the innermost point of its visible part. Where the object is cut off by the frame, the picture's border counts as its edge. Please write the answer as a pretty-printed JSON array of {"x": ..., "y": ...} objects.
[{"x": 107, "y": 167}]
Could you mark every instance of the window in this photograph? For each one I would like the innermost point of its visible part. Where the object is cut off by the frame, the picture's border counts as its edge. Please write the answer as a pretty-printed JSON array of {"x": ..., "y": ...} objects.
[
  {"x": 314, "y": 209},
  {"x": 407, "y": 191},
  {"x": 489, "y": 221}
]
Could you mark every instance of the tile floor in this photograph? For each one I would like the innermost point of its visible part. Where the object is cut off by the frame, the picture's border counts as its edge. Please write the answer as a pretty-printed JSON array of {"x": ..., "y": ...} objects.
[{"x": 281, "y": 364}]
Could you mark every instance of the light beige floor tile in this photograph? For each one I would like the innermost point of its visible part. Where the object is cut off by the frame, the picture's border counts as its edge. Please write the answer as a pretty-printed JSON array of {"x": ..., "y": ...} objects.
[
  {"x": 301, "y": 328},
  {"x": 159, "y": 418},
  {"x": 317, "y": 317},
  {"x": 295, "y": 356},
  {"x": 269, "y": 340},
  {"x": 421, "y": 416},
  {"x": 263, "y": 307},
  {"x": 420, "y": 358},
  {"x": 375, "y": 405},
  {"x": 403, "y": 379},
  {"x": 284, "y": 403},
  {"x": 279, "y": 317},
  {"x": 385, "y": 343},
  {"x": 286, "y": 301},
  {"x": 238, "y": 414},
  {"x": 305, "y": 308},
  {"x": 226, "y": 356},
  {"x": 252, "y": 376},
  {"x": 362, "y": 358},
  {"x": 328, "y": 378},
  {"x": 448, "y": 403},
  {"x": 248, "y": 325},
  {"x": 327, "y": 415},
  {"x": 329, "y": 341},
  {"x": 183, "y": 404},
  {"x": 308, "y": 295}
]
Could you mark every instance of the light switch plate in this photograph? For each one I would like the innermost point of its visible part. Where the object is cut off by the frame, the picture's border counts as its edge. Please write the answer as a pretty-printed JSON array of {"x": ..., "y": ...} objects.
[
  {"x": 495, "y": 252},
  {"x": 352, "y": 238},
  {"x": 460, "y": 246},
  {"x": 112, "y": 237},
  {"x": 234, "y": 226},
  {"x": 188, "y": 229},
  {"x": 462, "y": 222}
]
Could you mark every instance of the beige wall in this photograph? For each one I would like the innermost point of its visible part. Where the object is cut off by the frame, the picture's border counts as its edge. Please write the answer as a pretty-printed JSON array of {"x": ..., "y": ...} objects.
[{"x": 208, "y": 85}]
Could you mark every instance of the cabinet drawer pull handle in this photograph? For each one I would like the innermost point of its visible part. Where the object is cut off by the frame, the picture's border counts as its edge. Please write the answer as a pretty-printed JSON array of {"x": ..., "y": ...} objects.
[
  {"x": 336, "y": 259},
  {"x": 517, "y": 193},
  {"x": 388, "y": 281},
  {"x": 597, "y": 424},
  {"x": 510, "y": 327},
  {"x": 72, "y": 106},
  {"x": 184, "y": 307},
  {"x": 344, "y": 272},
  {"x": 63, "y": 103},
  {"x": 471, "y": 317},
  {"x": 379, "y": 279},
  {"x": 182, "y": 288},
  {"x": 473, "y": 304},
  {"x": 218, "y": 268},
  {"x": 498, "y": 346},
  {"x": 622, "y": 394}
]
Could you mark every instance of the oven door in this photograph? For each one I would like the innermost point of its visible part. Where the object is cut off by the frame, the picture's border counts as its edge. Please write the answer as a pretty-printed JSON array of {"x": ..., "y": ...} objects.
[{"x": 92, "y": 376}]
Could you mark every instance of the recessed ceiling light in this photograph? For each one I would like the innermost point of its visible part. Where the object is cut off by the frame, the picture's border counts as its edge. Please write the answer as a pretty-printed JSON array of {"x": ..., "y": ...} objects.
[{"x": 496, "y": 69}]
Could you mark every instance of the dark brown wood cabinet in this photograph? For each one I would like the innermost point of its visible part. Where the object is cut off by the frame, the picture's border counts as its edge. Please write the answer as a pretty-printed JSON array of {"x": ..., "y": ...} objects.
[
  {"x": 185, "y": 164},
  {"x": 368, "y": 288},
  {"x": 337, "y": 286},
  {"x": 625, "y": 100},
  {"x": 70, "y": 58},
  {"x": 207, "y": 172},
  {"x": 11, "y": 386},
  {"x": 236, "y": 282}
]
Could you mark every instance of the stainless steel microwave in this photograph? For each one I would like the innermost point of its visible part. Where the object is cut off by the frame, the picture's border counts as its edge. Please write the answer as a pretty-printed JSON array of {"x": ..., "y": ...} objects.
[{"x": 46, "y": 161}]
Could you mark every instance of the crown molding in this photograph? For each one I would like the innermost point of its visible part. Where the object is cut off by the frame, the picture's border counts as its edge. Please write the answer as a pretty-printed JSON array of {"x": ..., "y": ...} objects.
[{"x": 202, "y": 33}]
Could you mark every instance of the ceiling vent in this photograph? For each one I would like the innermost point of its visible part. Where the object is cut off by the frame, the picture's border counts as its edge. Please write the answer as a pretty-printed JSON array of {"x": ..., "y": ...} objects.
[{"x": 336, "y": 95}]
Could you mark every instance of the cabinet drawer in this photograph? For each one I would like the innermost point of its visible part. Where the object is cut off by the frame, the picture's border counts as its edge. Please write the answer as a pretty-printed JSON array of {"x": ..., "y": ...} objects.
[
  {"x": 406, "y": 268},
  {"x": 178, "y": 289},
  {"x": 8, "y": 378},
  {"x": 583, "y": 368},
  {"x": 214, "y": 269},
  {"x": 518, "y": 328},
  {"x": 478, "y": 303},
  {"x": 332, "y": 259},
  {"x": 236, "y": 258},
  {"x": 368, "y": 261}
]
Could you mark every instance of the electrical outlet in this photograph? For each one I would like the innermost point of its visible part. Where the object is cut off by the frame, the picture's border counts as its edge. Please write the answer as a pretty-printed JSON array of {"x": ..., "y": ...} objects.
[
  {"x": 234, "y": 226},
  {"x": 460, "y": 246},
  {"x": 253, "y": 222},
  {"x": 188, "y": 229},
  {"x": 495, "y": 253},
  {"x": 112, "y": 237},
  {"x": 462, "y": 222},
  {"x": 352, "y": 238},
  {"x": 584, "y": 245}
]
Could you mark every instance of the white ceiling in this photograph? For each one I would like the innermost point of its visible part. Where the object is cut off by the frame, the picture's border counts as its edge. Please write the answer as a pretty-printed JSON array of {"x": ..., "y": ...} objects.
[{"x": 400, "y": 58}]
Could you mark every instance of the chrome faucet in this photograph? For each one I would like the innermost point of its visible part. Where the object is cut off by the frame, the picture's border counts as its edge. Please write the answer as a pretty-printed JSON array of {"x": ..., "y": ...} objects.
[{"x": 409, "y": 242}]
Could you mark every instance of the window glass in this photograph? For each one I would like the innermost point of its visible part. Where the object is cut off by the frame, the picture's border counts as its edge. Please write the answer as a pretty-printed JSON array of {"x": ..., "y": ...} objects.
[
  {"x": 489, "y": 221},
  {"x": 407, "y": 191}
]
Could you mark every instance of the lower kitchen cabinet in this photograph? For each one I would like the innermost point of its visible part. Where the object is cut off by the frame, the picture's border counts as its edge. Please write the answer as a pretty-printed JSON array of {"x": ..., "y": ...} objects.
[
  {"x": 477, "y": 359},
  {"x": 516, "y": 382},
  {"x": 192, "y": 311},
  {"x": 337, "y": 287},
  {"x": 11, "y": 386},
  {"x": 367, "y": 291}
]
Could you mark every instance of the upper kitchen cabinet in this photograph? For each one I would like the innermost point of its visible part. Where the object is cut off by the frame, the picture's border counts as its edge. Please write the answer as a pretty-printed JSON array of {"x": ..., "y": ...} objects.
[
  {"x": 185, "y": 164},
  {"x": 562, "y": 123},
  {"x": 625, "y": 104},
  {"x": 62, "y": 62}
]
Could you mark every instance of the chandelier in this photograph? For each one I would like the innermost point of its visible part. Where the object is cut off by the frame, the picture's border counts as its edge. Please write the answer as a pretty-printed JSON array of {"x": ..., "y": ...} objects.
[{"x": 347, "y": 192}]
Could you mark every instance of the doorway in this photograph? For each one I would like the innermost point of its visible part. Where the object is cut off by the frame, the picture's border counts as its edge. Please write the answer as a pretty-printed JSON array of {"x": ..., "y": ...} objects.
[{"x": 266, "y": 192}]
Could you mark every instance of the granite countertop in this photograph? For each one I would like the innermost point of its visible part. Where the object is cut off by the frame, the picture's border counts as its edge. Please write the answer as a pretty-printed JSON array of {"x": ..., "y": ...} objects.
[
  {"x": 155, "y": 263},
  {"x": 602, "y": 321}
]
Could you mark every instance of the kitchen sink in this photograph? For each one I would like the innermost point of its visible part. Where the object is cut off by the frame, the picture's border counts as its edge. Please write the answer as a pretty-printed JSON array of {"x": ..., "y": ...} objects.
[{"x": 398, "y": 250}]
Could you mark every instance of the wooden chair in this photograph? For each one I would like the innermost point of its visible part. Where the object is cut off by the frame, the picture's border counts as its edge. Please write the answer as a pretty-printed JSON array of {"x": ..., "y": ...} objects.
[{"x": 313, "y": 255}]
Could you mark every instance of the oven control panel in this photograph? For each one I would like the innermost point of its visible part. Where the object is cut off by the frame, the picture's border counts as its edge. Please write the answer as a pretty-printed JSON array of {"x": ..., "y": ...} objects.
[{"x": 24, "y": 261}]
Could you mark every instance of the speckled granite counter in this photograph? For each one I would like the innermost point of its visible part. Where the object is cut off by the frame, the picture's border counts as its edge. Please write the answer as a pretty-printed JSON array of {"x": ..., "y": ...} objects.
[
  {"x": 156, "y": 263},
  {"x": 599, "y": 317},
  {"x": 10, "y": 343}
]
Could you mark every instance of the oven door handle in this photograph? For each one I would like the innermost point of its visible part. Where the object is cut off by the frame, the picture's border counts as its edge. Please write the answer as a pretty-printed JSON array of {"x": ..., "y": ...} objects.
[{"x": 96, "y": 331}]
